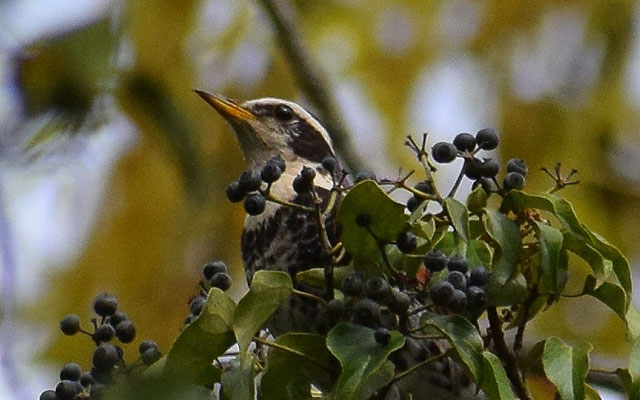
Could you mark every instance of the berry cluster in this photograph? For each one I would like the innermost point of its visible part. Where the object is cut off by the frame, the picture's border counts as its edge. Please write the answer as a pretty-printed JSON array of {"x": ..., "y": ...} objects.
[
  {"x": 462, "y": 289},
  {"x": 482, "y": 172},
  {"x": 108, "y": 359},
  {"x": 215, "y": 275},
  {"x": 249, "y": 185}
]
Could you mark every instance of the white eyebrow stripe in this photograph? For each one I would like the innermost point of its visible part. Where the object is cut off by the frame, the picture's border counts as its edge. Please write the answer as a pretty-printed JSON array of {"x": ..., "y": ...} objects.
[{"x": 299, "y": 111}]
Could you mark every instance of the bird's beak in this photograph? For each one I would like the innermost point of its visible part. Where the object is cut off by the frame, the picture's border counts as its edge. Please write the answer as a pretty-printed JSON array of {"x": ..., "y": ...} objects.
[{"x": 227, "y": 108}]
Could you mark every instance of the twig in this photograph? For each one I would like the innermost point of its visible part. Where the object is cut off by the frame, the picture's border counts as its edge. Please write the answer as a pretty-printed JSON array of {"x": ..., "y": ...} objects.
[
  {"x": 285, "y": 203},
  {"x": 423, "y": 157},
  {"x": 511, "y": 365},
  {"x": 289, "y": 350},
  {"x": 517, "y": 342},
  {"x": 311, "y": 80},
  {"x": 457, "y": 183}
]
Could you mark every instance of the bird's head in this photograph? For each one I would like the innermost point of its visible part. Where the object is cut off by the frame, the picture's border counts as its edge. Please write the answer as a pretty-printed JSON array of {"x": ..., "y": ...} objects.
[{"x": 269, "y": 127}]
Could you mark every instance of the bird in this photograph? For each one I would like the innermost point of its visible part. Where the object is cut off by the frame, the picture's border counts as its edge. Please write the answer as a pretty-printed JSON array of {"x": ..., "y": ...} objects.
[{"x": 286, "y": 239}]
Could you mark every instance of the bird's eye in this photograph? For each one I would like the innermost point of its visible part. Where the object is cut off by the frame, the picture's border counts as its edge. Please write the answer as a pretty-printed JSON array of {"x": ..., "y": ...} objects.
[{"x": 283, "y": 113}]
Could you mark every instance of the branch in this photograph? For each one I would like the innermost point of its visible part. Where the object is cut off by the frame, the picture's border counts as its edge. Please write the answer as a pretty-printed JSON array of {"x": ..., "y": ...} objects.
[
  {"x": 312, "y": 81},
  {"x": 511, "y": 365}
]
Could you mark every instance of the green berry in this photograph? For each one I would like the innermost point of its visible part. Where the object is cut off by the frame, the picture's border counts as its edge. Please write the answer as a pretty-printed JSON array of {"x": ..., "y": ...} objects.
[
  {"x": 352, "y": 284},
  {"x": 517, "y": 165},
  {"x": 105, "y": 304},
  {"x": 382, "y": 336},
  {"x": 104, "y": 333},
  {"x": 126, "y": 331},
  {"x": 407, "y": 241},
  {"x": 222, "y": 281},
  {"x": 70, "y": 325},
  {"x": 458, "y": 262},
  {"x": 254, "y": 204},
  {"x": 513, "y": 181},
  {"x": 487, "y": 139},
  {"x": 70, "y": 372},
  {"x": 435, "y": 260},
  {"x": 444, "y": 152},
  {"x": 235, "y": 194},
  {"x": 465, "y": 142},
  {"x": 458, "y": 280}
]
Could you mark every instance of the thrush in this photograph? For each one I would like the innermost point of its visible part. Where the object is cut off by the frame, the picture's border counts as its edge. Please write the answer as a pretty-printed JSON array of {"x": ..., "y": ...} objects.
[{"x": 286, "y": 239}]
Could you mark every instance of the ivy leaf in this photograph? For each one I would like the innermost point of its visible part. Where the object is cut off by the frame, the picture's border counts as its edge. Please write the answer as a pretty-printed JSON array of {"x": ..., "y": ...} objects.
[
  {"x": 459, "y": 217},
  {"x": 365, "y": 364},
  {"x": 451, "y": 243},
  {"x": 477, "y": 200},
  {"x": 621, "y": 267},
  {"x": 210, "y": 335},
  {"x": 610, "y": 294},
  {"x": 512, "y": 292},
  {"x": 290, "y": 373},
  {"x": 315, "y": 276},
  {"x": 269, "y": 289},
  {"x": 494, "y": 382},
  {"x": 238, "y": 381},
  {"x": 550, "y": 240},
  {"x": 465, "y": 339},
  {"x": 600, "y": 266},
  {"x": 478, "y": 253},
  {"x": 633, "y": 323},
  {"x": 386, "y": 220},
  {"x": 566, "y": 367},
  {"x": 507, "y": 239}
]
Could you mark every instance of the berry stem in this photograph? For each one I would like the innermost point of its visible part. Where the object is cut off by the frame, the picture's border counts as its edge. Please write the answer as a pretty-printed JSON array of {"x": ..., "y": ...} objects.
[
  {"x": 277, "y": 200},
  {"x": 423, "y": 157},
  {"x": 290, "y": 350},
  {"x": 457, "y": 183},
  {"x": 526, "y": 308},
  {"x": 502, "y": 351},
  {"x": 310, "y": 296}
]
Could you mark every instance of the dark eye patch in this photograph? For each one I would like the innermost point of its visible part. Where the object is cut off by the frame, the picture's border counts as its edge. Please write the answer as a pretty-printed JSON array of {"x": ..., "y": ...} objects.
[{"x": 283, "y": 112}]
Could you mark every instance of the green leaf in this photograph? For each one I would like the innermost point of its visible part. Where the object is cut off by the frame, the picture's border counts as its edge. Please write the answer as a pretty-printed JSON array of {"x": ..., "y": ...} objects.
[
  {"x": 459, "y": 217},
  {"x": 567, "y": 367},
  {"x": 591, "y": 394},
  {"x": 494, "y": 382},
  {"x": 451, "y": 243},
  {"x": 634, "y": 361},
  {"x": 507, "y": 239},
  {"x": 289, "y": 373},
  {"x": 210, "y": 335},
  {"x": 269, "y": 289},
  {"x": 599, "y": 265},
  {"x": 404, "y": 262},
  {"x": 238, "y": 381},
  {"x": 387, "y": 220},
  {"x": 610, "y": 294},
  {"x": 478, "y": 253},
  {"x": 464, "y": 337},
  {"x": 633, "y": 323},
  {"x": 550, "y": 240},
  {"x": 315, "y": 276},
  {"x": 365, "y": 364},
  {"x": 477, "y": 200},
  {"x": 621, "y": 266},
  {"x": 512, "y": 292}
]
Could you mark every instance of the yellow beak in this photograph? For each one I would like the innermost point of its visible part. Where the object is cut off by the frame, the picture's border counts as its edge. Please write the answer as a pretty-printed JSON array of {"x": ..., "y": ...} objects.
[{"x": 227, "y": 108}]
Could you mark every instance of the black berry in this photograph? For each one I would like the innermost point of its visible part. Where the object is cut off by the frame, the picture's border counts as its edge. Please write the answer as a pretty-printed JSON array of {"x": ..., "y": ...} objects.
[
  {"x": 444, "y": 152},
  {"x": 486, "y": 183},
  {"x": 279, "y": 161},
  {"x": 476, "y": 298},
  {"x": 146, "y": 345},
  {"x": 151, "y": 355},
  {"x": 458, "y": 301},
  {"x": 234, "y": 193},
  {"x": 458, "y": 280},
  {"x": 435, "y": 260},
  {"x": 222, "y": 281},
  {"x": 413, "y": 203},
  {"x": 489, "y": 168},
  {"x": 457, "y": 262},
  {"x": 335, "y": 308},
  {"x": 513, "y": 180},
  {"x": 86, "y": 380},
  {"x": 70, "y": 372},
  {"x": 249, "y": 181},
  {"x": 302, "y": 184},
  {"x": 254, "y": 203},
  {"x": 196, "y": 304},
  {"x": 213, "y": 268},
  {"x": 48, "y": 395},
  {"x": 70, "y": 325},
  {"x": 117, "y": 317},
  {"x": 376, "y": 288},
  {"x": 105, "y": 304},
  {"x": 104, "y": 333},
  {"x": 97, "y": 391},
  {"x": 382, "y": 336},
  {"x": 425, "y": 187},
  {"x": 471, "y": 168},
  {"x": 66, "y": 390},
  {"x": 329, "y": 163},
  {"x": 517, "y": 165},
  {"x": 442, "y": 292},
  {"x": 352, "y": 284},
  {"x": 126, "y": 331},
  {"x": 407, "y": 241},
  {"x": 464, "y": 142},
  {"x": 366, "y": 312},
  {"x": 364, "y": 175},
  {"x": 487, "y": 139},
  {"x": 479, "y": 276},
  {"x": 105, "y": 357},
  {"x": 400, "y": 303},
  {"x": 270, "y": 172}
]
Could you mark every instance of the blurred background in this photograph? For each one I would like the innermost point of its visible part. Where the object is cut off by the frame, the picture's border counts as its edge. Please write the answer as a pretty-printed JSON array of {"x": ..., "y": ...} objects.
[{"x": 112, "y": 171}]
